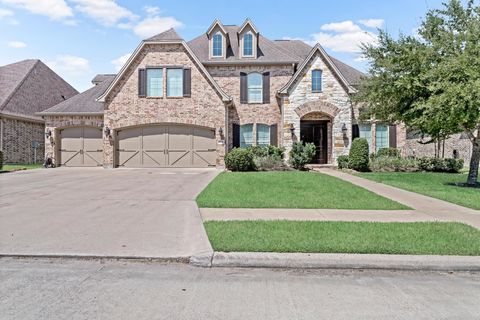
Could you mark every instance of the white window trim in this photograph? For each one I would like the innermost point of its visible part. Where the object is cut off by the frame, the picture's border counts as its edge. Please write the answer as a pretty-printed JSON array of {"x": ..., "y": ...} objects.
[
  {"x": 212, "y": 45},
  {"x": 166, "y": 83},
  {"x": 261, "y": 89},
  {"x": 254, "y": 45},
  {"x": 321, "y": 81},
  {"x": 257, "y": 132},
  {"x": 163, "y": 83}
]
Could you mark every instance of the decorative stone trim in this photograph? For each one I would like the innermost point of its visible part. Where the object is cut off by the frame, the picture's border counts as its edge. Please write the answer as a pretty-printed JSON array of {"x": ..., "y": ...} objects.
[{"x": 317, "y": 106}]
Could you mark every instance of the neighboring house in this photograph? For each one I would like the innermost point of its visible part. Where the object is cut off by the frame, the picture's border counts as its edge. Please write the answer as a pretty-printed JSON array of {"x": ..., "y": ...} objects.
[
  {"x": 185, "y": 104},
  {"x": 27, "y": 87}
]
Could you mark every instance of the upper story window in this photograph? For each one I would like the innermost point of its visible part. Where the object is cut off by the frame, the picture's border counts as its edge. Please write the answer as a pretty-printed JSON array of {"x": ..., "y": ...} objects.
[
  {"x": 174, "y": 82},
  {"x": 154, "y": 82},
  {"x": 317, "y": 81},
  {"x": 255, "y": 88},
  {"x": 248, "y": 45},
  {"x": 217, "y": 45}
]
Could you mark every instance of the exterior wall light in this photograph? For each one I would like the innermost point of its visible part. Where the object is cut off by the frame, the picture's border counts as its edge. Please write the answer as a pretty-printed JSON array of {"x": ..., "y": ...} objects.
[
  {"x": 344, "y": 128},
  {"x": 220, "y": 131},
  {"x": 292, "y": 129},
  {"x": 107, "y": 131},
  {"x": 48, "y": 133}
]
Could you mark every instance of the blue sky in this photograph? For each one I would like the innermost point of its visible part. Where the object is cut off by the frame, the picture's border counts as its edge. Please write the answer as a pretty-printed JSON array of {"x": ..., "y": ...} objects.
[{"x": 80, "y": 38}]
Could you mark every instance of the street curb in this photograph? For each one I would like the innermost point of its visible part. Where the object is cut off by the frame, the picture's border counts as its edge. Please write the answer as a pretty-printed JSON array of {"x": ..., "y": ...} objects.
[
  {"x": 345, "y": 261},
  {"x": 97, "y": 257}
]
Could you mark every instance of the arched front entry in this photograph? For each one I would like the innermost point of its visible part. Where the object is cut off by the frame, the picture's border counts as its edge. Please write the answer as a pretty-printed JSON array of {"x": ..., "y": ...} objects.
[
  {"x": 166, "y": 145},
  {"x": 316, "y": 128}
]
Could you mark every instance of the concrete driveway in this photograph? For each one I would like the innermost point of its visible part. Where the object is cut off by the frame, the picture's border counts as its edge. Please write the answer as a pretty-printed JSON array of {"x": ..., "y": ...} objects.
[{"x": 98, "y": 212}]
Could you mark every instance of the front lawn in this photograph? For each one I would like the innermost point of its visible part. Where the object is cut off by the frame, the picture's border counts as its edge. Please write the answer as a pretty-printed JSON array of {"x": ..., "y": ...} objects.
[
  {"x": 291, "y": 189},
  {"x": 437, "y": 185},
  {"x": 438, "y": 238},
  {"x": 16, "y": 167}
]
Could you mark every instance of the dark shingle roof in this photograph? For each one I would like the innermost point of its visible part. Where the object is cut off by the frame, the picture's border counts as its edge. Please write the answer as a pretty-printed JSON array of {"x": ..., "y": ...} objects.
[
  {"x": 84, "y": 102},
  {"x": 99, "y": 78},
  {"x": 168, "y": 35},
  {"x": 29, "y": 86}
]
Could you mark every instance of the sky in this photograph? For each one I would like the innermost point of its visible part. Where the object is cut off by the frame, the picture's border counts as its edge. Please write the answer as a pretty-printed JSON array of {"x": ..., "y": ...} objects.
[{"x": 81, "y": 38}]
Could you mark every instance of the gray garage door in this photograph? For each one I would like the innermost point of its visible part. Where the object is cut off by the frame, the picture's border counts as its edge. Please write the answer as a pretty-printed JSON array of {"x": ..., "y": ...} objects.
[
  {"x": 81, "y": 147},
  {"x": 166, "y": 146}
]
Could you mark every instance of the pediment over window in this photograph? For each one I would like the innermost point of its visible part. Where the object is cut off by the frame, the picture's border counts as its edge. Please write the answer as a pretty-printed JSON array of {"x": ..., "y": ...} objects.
[
  {"x": 217, "y": 40},
  {"x": 248, "y": 40}
]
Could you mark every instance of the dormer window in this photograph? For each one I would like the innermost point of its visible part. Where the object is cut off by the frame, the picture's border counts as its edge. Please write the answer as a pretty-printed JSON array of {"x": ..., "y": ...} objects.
[
  {"x": 217, "y": 45},
  {"x": 248, "y": 45}
]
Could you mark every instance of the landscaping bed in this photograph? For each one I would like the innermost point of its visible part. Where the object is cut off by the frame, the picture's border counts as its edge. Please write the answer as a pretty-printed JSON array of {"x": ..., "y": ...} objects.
[
  {"x": 425, "y": 238},
  {"x": 443, "y": 186},
  {"x": 289, "y": 189}
]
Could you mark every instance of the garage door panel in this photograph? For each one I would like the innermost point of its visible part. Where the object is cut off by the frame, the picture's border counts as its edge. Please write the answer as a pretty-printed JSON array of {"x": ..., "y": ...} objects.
[
  {"x": 204, "y": 158},
  {"x": 81, "y": 147},
  {"x": 179, "y": 138},
  {"x": 154, "y": 159},
  {"x": 179, "y": 159},
  {"x": 154, "y": 138}
]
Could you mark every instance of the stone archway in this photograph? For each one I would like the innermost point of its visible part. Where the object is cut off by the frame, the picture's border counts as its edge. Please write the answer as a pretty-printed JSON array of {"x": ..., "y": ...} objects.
[{"x": 317, "y": 106}]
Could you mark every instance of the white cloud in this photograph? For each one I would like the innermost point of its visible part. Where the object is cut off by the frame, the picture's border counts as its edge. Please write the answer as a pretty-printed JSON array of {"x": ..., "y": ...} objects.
[
  {"x": 152, "y": 11},
  {"x": 120, "y": 61},
  {"x": 5, "y": 13},
  {"x": 54, "y": 9},
  {"x": 106, "y": 12},
  {"x": 153, "y": 25},
  {"x": 16, "y": 44},
  {"x": 372, "y": 23},
  {"x": 69, "y": 65},
  {"x": 343, "y": 36}
]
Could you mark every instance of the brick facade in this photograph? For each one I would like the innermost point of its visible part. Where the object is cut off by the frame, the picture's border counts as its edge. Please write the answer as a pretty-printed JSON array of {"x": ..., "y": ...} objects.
[{"x": 22, "y": 140}]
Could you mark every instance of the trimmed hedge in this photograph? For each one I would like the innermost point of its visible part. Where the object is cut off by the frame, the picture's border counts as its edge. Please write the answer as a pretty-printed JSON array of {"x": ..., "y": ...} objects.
[
  {"x": 301, "y": 154},
  {"x": 358, "y": 156},
  {"x": 239, "y": 160},
  {"x": 393, "y": 164},
  {"x": 343, "y": 162},
  {"x": 440, "y": 164},
  {"x": 388, "y": 152},
  {"x": 266, "y": 151}
]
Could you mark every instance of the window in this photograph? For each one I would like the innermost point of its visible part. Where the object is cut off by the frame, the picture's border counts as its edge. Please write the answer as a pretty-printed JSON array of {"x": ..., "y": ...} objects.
[
  {"x": 316, "y": 80},
  {"x": 366, "y": 132},
  {"x": 217, "y": 45},
  {"x": 154, "y": 82},
  {"x": 246, "y": 135},
  {"x": 381, "y": 136},
  {"x": 174, "y": 82},
  {"x": 248, "y": 45},
  {"x": 255, "y": 88},
  {"x": 263, "y": 135}
]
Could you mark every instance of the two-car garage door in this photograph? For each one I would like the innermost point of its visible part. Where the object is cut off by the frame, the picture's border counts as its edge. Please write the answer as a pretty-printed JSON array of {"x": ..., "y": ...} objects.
[{"x": 166, "y": 146}]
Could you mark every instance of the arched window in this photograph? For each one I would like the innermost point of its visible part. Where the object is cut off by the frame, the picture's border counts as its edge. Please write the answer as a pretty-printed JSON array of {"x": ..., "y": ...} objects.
[
  {"x": 248, "y": 45},
  {"x": 255, "y": 88},
  {"x": 217, "y": 45}
]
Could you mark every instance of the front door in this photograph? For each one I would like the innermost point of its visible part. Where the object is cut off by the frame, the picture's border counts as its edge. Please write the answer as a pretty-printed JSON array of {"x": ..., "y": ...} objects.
[{"x": 316, "y": 132}]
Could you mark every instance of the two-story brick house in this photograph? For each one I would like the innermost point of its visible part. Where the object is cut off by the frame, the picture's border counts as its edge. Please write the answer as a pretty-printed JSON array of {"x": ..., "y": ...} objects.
[{"x": 185, "y": 104}]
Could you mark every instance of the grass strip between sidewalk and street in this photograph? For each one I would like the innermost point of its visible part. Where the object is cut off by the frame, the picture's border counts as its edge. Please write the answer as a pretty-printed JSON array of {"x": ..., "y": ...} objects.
[
  {"x": 291, "y": 189},
  {"x": 441, "y": 186},
  {"x": 417, "y": 238}
]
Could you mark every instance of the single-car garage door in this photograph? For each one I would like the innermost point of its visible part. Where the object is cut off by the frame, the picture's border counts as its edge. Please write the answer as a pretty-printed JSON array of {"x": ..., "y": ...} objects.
[
  {"x": 81, "y": 147},
  {"x": 166, "y": 146}
]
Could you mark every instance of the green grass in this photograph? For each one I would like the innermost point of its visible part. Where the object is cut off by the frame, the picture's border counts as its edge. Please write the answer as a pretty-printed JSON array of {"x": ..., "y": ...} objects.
[
  {"x": 14, "y": 167},
  {"x": 292, "y": 189},
  {"x": 437, "y": 185},
  {"x": 439, "y": 238}
]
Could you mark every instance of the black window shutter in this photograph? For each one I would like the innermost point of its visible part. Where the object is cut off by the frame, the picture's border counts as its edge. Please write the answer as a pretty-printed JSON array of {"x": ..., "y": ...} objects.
[
  {"x": 142, "y": 82},
  {"x": 187, "y": 82},
  {"x": 355, "y": 131},
  {"x": 274, "y": 135},
  {"x": 236, "y": 135},
  {"x": 392, "y": 136},
  {"x": 266, "y": 87},
  {"x": 243, "y": 88}
]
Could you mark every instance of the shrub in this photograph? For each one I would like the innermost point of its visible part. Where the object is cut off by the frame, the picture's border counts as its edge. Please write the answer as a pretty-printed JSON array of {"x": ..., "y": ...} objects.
[
  {"x": 388, "y": 152},
  {"x": 1, "y": 160},
  {"x": 358, "y": 156},
  {"x": 239, "y": 160},
  {"x": 342, "y": 162},
  {"x": 269, "y": 163},
  {"x": 393, "y": 164},
  {"x": 301, "y": 154},
  {"x": 259, "y": 151},
  {"x": 440, "y": 165}
]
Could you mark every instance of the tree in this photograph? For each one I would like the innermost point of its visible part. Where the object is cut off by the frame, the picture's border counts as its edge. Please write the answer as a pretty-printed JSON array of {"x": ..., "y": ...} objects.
[{"x": 431, "y": 81}]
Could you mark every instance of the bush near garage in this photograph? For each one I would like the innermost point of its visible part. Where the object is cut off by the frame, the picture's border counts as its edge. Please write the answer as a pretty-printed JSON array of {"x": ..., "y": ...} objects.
[
  {"x": 358, "y": 157},
  {"x": 239, "y": 160},
  {"x": 301, "y": 154},
  {"x": 264, "y": 151},
  {"x": 393, "y": 164},
  {"x": 449, "y": 165},
  {"x": 343, "y": 162}
]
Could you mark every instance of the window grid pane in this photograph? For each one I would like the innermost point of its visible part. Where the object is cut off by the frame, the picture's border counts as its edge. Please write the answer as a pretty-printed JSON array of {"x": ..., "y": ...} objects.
[
  {"x": 248, "y": 45},
  {"x": 255, "y": 88},
  {"x": 263, "y": 135},
  {"x": 366, "y": 132},
  {"x": 246, "y": 135},
  {"x": 316, "y": 80},
  {"x": 381, "y": 136},
  {"x": 217, "y": 45},
  {"x": 174, "y": 82},
  {"x": 155, "y": 82}
]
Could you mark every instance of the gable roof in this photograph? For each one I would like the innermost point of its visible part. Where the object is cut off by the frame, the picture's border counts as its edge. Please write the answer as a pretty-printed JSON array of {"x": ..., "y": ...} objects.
[
  {"x": 168, "y": 37},
  {"x": 336, "y": 66},
  {"x": 215, "y": 23},
  {"x": 29, "y": 86},
  {"x": 84, "y": 103},
  {"x": 246, "y": 23}
]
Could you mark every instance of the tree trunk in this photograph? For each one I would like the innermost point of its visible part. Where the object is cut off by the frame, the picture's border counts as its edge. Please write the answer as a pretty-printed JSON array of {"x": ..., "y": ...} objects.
[{"x": 474, "y": 162}]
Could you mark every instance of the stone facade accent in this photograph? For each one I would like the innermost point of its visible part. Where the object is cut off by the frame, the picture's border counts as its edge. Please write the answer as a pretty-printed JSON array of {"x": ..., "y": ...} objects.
[
  {"x": 228, "y": 78},
  {"x": 334, "y": 102},
  {"x": 124, "y": 108},
  {"x": 55, "y": 123},
  {"x": 22, "y": 141}
]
